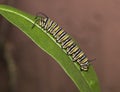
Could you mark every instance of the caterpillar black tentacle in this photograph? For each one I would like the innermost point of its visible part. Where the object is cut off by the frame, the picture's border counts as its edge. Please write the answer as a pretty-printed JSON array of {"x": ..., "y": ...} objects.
[{"x": 63, "y": 39}]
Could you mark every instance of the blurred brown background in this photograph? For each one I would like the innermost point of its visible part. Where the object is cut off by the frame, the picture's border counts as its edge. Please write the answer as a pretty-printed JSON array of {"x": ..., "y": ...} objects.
[{"x": 95, "y": 24}]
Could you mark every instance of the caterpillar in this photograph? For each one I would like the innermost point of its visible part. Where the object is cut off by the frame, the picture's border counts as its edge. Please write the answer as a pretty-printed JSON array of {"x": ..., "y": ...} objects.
[{"x": 66, "y": 42}]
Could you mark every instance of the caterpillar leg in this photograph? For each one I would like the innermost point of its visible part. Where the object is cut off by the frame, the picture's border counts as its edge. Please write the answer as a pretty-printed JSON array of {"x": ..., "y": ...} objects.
[{"x": 37, "y": 19}]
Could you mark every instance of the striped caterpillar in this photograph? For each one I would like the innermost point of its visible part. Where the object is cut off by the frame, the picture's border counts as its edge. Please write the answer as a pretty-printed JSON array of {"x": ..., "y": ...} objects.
[{"x": 64, "y": 40}]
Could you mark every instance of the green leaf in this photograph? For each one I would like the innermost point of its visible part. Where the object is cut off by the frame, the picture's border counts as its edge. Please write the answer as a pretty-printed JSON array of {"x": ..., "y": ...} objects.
[{"x": 85, "y": 81}]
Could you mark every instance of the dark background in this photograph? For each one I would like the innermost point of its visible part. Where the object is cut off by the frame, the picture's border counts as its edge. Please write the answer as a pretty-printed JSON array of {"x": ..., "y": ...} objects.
[{"x": 95, "y": 24}]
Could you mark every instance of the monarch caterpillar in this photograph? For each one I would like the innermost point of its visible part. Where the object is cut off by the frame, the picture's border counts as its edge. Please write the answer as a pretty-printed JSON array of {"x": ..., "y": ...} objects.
[{"x": 66, "y": 42}]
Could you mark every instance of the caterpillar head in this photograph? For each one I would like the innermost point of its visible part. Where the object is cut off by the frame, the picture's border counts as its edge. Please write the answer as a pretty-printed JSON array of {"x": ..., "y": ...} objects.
[{"x": 84, "y": 66}]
